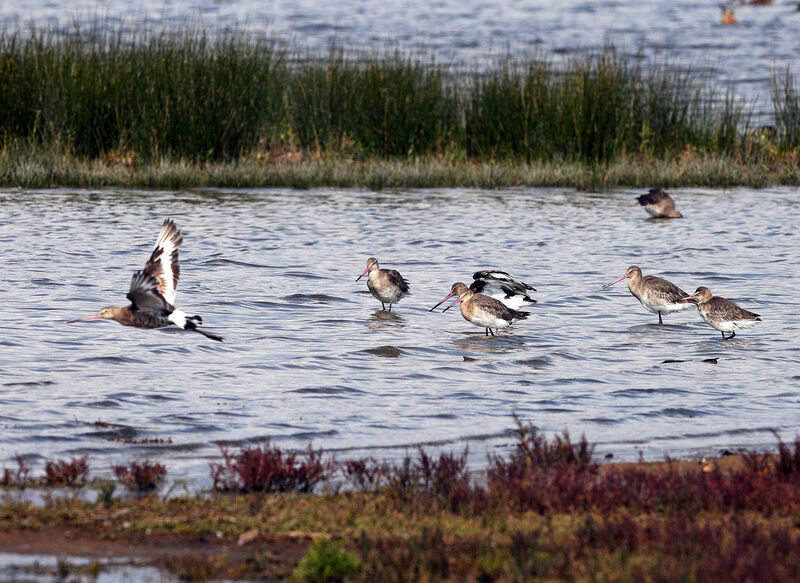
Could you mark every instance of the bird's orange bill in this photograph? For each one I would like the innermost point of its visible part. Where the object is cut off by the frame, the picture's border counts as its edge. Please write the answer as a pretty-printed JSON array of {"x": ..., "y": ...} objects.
[
  {"x": 451, "y": 305},
  {"x": 363, "y": 274},
  {"x": 95, "y": 317},
  {"x": 691, "y": 297},
  {"x": 619, "y": 279},
  {"x": 447, "y": 297}
]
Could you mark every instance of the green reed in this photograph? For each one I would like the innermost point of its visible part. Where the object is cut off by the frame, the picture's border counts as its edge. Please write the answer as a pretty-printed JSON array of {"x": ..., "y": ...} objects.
[
  {"x": 154, "y": 94},
  {"x": 189, "y": 95},
  {"x": 786, "y": 103}
]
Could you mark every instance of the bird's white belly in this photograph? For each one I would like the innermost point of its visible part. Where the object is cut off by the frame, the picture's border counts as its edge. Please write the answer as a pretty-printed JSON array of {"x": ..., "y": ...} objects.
[
  {"x": 652, "y": 210},
  {"x": 729, "y": 325},
  {"x": 485, "y": 320},
  {"x": 664, "y": 308},
  {"x": 387, "y": 296}
]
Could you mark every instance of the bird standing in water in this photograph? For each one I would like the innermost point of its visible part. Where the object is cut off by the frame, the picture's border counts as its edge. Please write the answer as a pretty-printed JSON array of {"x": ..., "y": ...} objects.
[
  {"x": 481, "y": 310},
  {"x": 386, "y": 285},
  {"x": 659, "y": 205},
  {"x": 722, "y": 314},
  {"x": 153, "y": 290},
  {"x": 657, "y": 295},
  {"x": 501, "y": 286}
]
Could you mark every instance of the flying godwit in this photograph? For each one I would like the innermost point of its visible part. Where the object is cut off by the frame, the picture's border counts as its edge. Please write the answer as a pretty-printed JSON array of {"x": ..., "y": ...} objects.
[
  {"x": 659, "y": 204},
  {"x": 501, "y": 286},
  {"x": 656, "y": 295},
  {"x": 481, "y": 310},
  {"x": 387, "y": 285},
  {"x": 153, "y": 289},
  {"x": 722, "y": 314}
]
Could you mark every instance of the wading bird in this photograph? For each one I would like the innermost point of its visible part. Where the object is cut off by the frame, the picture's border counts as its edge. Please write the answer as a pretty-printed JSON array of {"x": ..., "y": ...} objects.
[
  {"x": 481, "y": 310},
  {"x": 656, "y": 295},
  {"x": 659, "y": 204},
  {"x": 386, "y": 285},
  {"x": 153, "y": 289},
  {"x": 501, "y": 286},
  {"x": 722, "y": 314}
]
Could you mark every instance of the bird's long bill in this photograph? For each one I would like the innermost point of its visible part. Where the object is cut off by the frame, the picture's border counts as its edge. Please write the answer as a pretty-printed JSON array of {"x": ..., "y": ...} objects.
[
  {"x": 451, "y": 305},
  {"x": 619, "y": 279},
  {"x": 95, "y": 317},
  {"x": 692, "y": 297},
  {"x": 447, "y": 297},
  {"x": 363, "y": 274}
]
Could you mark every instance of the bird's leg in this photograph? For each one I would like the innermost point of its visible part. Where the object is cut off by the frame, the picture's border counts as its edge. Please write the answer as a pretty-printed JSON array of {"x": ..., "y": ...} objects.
[
  {"x": 732, "y": 335},
  {"x": 660, "y": 321},
  {"x": 723, "y": 334},
  {"x": 383, "y": 306},
  {"x": 390, "y": 307}
]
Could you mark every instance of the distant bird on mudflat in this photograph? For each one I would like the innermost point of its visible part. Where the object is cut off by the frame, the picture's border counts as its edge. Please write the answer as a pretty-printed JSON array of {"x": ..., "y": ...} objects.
[
  {"x": 656, "y": 295},
  {"x": 501, "y": 286},
  {"x": 481, "y": 310},
  {"x": 722, "y": 314},
  {"x": 153, "y": 290},
  {"x": 659, "y": 204},
  {"x": 386, "y": 285}
]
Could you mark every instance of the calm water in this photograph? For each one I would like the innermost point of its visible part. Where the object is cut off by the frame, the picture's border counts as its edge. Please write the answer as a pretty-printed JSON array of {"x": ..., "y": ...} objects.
[
  {"x": 308, "y": 356},
  {"x": 683, "y": 31}
]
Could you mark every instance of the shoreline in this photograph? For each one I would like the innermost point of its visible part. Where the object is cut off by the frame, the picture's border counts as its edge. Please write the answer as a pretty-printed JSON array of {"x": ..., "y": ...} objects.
[
  {"x": 383, "y": 533},
  {"x": 43, "y": 170}
]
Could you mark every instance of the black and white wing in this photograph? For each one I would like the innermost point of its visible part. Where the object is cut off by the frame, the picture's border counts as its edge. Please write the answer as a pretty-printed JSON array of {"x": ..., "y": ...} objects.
[
  {"x": 163, "y": 263},
  {"x": 495, "y": 278},
  {"x": 145, "y": 295}
]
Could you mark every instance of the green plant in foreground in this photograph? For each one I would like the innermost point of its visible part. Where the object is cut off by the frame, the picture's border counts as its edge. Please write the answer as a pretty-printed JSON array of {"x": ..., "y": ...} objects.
[{"x": 325, "y": 562}]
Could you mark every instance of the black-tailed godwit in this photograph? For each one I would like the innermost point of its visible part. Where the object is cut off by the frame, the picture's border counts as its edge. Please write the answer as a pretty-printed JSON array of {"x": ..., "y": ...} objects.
[
  {"x": 659, "y": 204},
  {"x": 153, "y": 290},
  {"x": 386, "y": 285},
  {"x": 657, "y": 295},
  {"x": 501, "y": 286},
  {"x": 722, "y": 314},
  {"x": 481, "y": 310}
]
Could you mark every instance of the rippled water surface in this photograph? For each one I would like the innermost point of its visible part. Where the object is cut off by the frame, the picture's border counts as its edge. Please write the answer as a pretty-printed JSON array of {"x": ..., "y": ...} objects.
[{"x": 309, "y": 356}]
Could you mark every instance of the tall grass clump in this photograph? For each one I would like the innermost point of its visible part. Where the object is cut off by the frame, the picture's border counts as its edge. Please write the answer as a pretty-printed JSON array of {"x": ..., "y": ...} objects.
[
  {"x": 595, "y": 108},
  {"x": 786, "y": 103},
  {"x": 385, "y": 106},
  {"x": 150, "y": 96},
  {"x": 154, "y": 94}
]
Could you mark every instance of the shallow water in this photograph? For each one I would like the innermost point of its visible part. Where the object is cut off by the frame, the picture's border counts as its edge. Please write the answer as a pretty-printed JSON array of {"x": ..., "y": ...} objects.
[
  {"x": 35, "y": 568},
  {"x": 682, "y": 31},
  {"x": 309, "y": 356}
]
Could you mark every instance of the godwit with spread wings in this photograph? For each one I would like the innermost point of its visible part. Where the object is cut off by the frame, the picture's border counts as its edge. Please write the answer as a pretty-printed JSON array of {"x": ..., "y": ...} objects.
[
  {"x": 481, "y": 310},
  {"x": 387, "y": 285},
  {"x": 722, "y": 314},
  {"x": 501, "y": 286},
  {"x": 153, "y": 289},
  {"x": 659, "y": 204},
  {"x": 656, "y": 295}
]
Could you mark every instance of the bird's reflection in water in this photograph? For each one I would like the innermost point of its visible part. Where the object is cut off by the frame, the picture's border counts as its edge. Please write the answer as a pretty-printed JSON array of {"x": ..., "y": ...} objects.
[
  {"x": 385, "y": 319},
  {"x": 478, "y": 342}
]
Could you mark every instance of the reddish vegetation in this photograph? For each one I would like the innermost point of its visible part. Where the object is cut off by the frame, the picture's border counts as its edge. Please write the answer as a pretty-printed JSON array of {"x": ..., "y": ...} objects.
[
  {"x": 268, "y": 469},
  {"x": 141, "y": 477},
  {"x": 544, "y": 512},
  {"x": 18, "y": 477},
  {"x": 67, "y": 473}
]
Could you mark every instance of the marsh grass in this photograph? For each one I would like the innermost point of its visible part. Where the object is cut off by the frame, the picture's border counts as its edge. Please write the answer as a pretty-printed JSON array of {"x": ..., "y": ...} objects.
[
  {"x": 546, "y": 511},
  {"x": 100, "y": 107}
]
